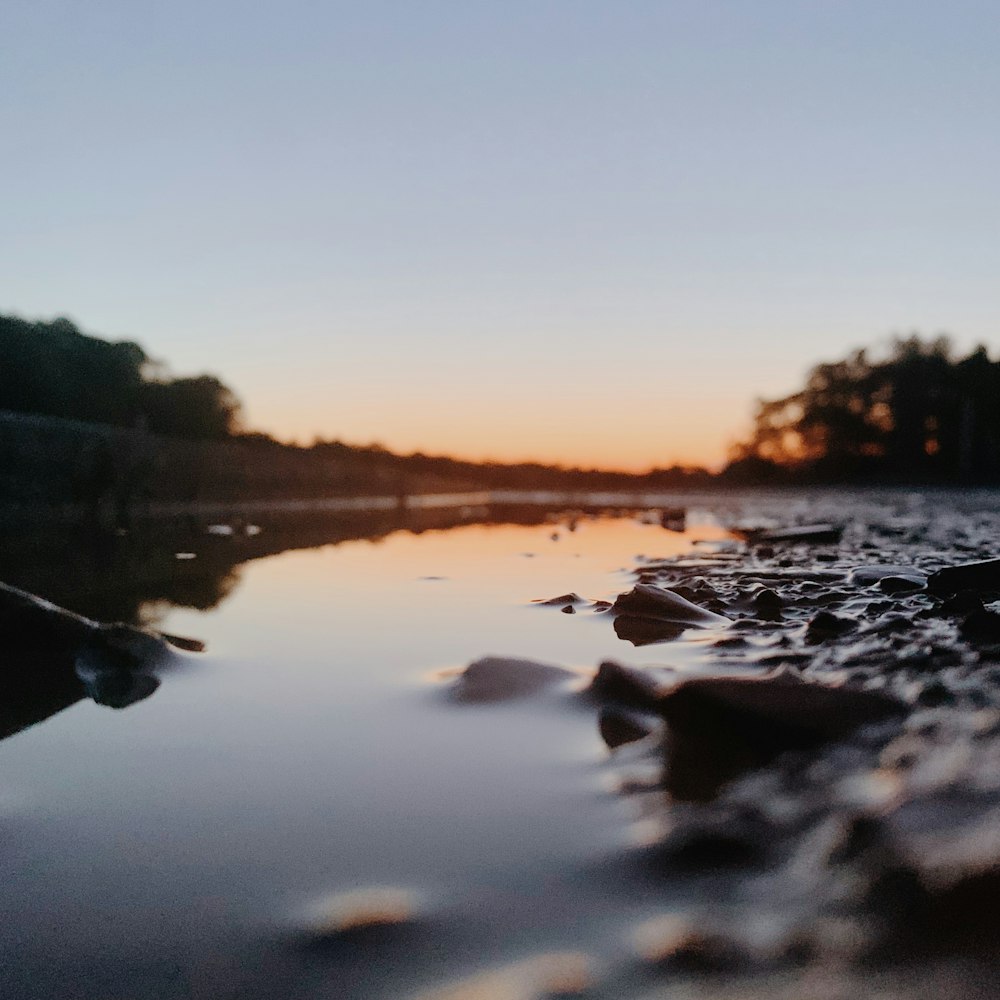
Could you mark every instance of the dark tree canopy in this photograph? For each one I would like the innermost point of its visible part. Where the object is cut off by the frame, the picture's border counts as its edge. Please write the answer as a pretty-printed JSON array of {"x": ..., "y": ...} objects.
[
  {"x": 917, "y": 415},
  {"x": 56, "y": 370}
]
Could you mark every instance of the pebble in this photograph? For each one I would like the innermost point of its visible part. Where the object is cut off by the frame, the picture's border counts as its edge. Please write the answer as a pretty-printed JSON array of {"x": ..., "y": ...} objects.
[{"x": 647, "y": 601}]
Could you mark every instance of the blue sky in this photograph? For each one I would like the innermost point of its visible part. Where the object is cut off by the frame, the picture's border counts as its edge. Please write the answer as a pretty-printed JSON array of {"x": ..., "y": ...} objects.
[{"x": 572, "y": 231}]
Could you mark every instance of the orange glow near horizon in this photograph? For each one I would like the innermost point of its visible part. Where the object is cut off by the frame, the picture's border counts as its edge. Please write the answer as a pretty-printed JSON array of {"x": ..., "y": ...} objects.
[{"x": 696, "y": 431}]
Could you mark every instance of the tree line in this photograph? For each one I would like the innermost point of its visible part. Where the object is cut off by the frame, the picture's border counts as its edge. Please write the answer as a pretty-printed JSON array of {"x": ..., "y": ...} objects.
[
  {"x": 53, "y": 369},
  {"x": 918, "y": 414}
]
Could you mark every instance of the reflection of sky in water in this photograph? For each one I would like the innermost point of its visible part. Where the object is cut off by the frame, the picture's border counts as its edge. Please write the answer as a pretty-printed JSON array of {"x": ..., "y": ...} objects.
[{"x": 305, "y": 754}]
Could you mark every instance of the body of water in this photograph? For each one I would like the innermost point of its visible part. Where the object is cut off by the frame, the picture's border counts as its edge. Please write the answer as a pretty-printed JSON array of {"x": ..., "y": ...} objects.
[{"x": 205, "y": 841}]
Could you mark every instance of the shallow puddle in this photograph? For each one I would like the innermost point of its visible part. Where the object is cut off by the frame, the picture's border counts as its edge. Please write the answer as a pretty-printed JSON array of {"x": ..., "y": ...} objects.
[{"x": 187, "y": 845}]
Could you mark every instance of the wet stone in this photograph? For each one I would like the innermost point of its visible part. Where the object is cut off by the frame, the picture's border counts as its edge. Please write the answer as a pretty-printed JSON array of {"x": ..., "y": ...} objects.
[
  {"x": 767, "y": 600},
  {"x": 498, "y": 678},
  {"x": 982, "y": 626},
  {"x": 865, "y": 576},
  {"x": 646, "y": 601},
  {"x": 963, "y": 603},
  {"x": 721, "y": 727},
  {"x": 827, "y": 625},
  {"x": 674, "y": 519},
  {"x": 970, "y": 576},
  {"x": 646, "y": 631},
  {"x": 817, "y": 533},
  {"x": 616, "y": 682},
  {"x": 561, "y": 601},
  {"x": 619, "y": 726}
]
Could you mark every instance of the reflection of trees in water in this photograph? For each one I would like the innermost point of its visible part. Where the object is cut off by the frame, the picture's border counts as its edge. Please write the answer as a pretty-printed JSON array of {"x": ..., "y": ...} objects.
[
  {"x": 202, "y": 593},
  {"x": 108, "y": 577},
  {"x": 137, "y": 577}
]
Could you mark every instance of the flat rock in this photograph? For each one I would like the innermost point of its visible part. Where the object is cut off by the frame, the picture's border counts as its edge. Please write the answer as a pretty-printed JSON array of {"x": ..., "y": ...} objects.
[{"x": 501, "y": 678}]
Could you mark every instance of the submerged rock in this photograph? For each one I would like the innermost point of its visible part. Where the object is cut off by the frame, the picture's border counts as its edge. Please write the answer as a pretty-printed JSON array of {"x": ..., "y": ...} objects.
[
  {"x": 561, "y": 601},
  {"x": 501, "y": 678}
]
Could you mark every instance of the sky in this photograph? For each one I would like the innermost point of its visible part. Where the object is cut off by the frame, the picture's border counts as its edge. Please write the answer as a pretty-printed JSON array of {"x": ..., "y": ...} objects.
[{"x": 565, "y": 230}]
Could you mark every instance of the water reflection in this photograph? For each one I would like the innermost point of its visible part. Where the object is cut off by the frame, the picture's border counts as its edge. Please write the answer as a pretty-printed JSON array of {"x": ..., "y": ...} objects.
[
  {"x": 302, "y": 757},
  {"x": 137, "y": 576}
]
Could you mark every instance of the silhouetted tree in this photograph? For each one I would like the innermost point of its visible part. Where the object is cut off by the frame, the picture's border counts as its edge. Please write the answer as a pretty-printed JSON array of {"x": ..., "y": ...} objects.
[
  {"x": 918, "y": 415},
  {"x": 200, "y": 407},
  {"x": 55, "y": 370}
]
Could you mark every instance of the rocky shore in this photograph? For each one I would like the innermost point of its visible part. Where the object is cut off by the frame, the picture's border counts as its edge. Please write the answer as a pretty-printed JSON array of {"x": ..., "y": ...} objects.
[{"x": 831, "y": 771}]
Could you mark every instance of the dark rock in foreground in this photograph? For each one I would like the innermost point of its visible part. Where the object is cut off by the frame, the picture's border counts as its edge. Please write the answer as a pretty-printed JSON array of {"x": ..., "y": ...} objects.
[
  {"x": 619, "y": 726},
  {"x": 721, "y": 727},
  {"x": 970, "y": 576},
  {"x": 827, "y": 625},
  {"x": 51, "y": 658},
  {"x": 644, "y": 689}
]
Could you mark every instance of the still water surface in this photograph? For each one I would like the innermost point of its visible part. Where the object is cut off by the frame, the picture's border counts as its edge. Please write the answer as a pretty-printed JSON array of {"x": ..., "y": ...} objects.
[{"x": 182, "y": 846}]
